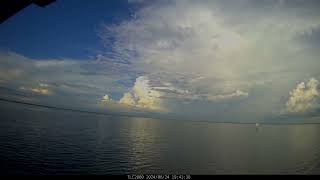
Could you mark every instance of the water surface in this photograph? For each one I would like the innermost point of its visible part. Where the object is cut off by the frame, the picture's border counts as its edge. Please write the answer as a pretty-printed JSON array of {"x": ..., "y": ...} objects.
[{"x": 42, "y": 141}]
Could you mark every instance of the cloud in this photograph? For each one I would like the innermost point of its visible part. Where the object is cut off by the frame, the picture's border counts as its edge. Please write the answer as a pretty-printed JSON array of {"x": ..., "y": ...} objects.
[
  {"x": 40, "y": 89},
  {"x": 67, "y": 82},
  {"x": 215, "y": 52},
  {"x": 304, "y": 98},
  {"x": 210, "y": 59},
  {"x": 135, "y": 1},
  {"x": 237, "y": 94},
  {"x": 171, "y": 93},
  {"x": 105, "y": 99},
  {"x": 142, "y": 95}
]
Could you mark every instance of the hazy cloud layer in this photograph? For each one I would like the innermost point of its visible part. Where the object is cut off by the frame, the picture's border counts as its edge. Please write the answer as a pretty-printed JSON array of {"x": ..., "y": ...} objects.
[
  {"x": 65, "y": 82},
  {"x": 40, "y": 89}
]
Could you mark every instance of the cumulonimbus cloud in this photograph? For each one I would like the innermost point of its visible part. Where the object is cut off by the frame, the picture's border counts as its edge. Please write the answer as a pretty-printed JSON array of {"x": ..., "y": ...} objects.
[
  {"x": 211, "y": 51},
  {"x": 304, "y": 97},
  {"x": 142, "y": 95}
]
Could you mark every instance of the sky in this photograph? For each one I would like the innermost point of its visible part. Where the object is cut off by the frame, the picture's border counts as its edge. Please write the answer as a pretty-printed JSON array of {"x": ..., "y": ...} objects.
[{"x": 212, "y": 60}]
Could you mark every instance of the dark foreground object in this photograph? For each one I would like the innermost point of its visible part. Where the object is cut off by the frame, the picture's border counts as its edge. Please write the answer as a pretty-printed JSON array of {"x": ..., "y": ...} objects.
[{"x": 10, "y": 7}]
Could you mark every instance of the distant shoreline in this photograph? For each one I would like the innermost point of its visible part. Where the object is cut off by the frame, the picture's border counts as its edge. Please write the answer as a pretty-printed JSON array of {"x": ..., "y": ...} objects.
[{"x": 154, "y": 118}]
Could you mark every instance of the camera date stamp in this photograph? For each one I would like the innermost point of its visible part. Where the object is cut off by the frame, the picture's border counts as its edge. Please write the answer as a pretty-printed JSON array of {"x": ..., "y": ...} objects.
[{"x": 159, "y": 176}]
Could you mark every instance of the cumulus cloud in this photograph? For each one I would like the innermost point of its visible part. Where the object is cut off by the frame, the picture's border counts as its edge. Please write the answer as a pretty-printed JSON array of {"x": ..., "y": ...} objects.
[
  {"x": 142, "y": 95},
  {"x": 304, "y": 98},
  {"x": 105, "y": 99}
]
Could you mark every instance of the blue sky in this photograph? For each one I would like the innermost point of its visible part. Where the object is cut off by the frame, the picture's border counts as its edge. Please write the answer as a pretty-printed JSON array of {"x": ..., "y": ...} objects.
[
  {"x": 65, "y": 28},
  {"x": 241, "y": 60}
]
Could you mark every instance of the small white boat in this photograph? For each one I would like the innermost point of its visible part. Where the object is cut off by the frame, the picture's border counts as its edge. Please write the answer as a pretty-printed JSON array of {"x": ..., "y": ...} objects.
[{"x": 257, "y": 126}]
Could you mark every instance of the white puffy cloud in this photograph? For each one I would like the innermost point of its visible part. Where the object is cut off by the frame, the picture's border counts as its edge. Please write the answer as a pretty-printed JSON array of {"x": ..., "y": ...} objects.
[
  {"x": 304, "y": 98},
  {"x": 127, "y": 99},
  {"x": 105, "y": 99},
  {"x": 142, "y": 95}
]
